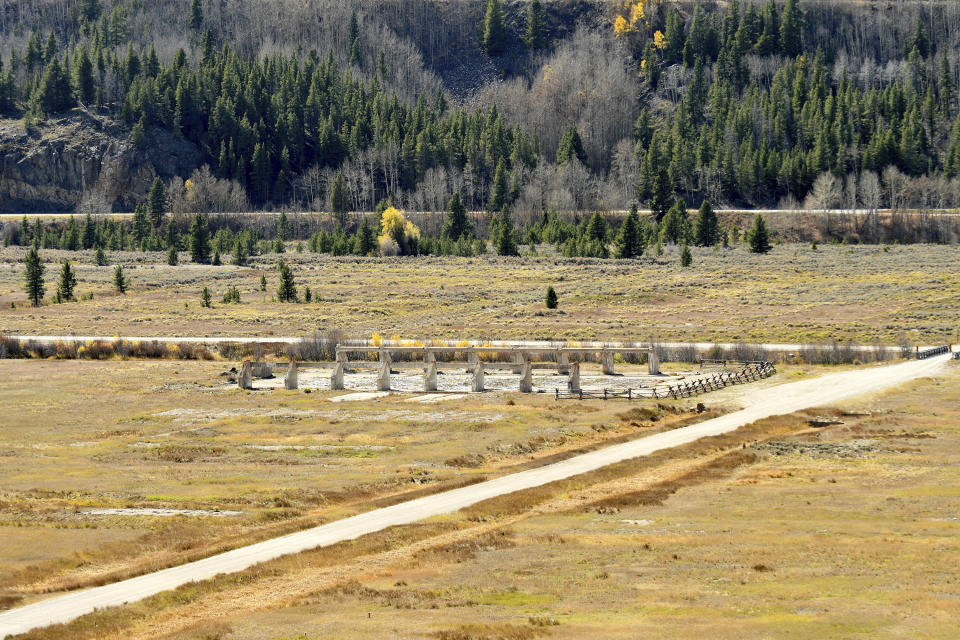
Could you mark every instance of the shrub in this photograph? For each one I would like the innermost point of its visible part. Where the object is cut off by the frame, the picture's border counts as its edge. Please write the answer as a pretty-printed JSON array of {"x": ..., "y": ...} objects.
[{"x": 551, "y": 300}]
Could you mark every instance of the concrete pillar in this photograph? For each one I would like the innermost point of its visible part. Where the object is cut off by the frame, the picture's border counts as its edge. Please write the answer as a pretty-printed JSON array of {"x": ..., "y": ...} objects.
[
  {"x": 290, "y": 381},
  {"x": 563, "y": 358},
  {"x": 518, "y": 360},
  {"x": 430, "y": 376},
  {"x": 653, "y": 361},
  {"x": 336, "y": 380},
  {"x": 245, "y": 379},
  {"x": 526, "y": 375},
  {"x": 606, "y": 360},
  {"x": 383, "y": 378},
  {"x": 573, "y": 384},
  {"x": 473, "y": 357},
  {"x": 478, "y": 377}
]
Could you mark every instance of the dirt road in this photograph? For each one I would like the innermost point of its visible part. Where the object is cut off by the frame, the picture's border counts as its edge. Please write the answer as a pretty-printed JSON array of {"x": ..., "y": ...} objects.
[{"x": 781, "y": 399}]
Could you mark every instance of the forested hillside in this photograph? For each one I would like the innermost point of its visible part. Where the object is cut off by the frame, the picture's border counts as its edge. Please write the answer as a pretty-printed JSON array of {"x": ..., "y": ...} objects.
[{"x": 532, "y": 105}]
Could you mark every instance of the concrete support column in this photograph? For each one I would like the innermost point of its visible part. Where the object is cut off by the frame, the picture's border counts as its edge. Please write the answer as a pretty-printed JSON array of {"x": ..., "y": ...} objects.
[
  {"x": 653, "y": 361},
  {"x": 526, "y": 375},
  {"x": 478, "y": 377},
  {"x": 336, "y": 380},
  {"x": 245, "y": 379},
  {"x": 563, "y": 358},
  {"x": 606, "y": 359},
  {"x": 518, "y": 360},
  {"x": 430, "y": 376},
  {"x": 473, "y": 357},
  {"x": 573, "y": 384},
  {"x": 383, "y": 378},
  {"x": 290, "y": 381}
]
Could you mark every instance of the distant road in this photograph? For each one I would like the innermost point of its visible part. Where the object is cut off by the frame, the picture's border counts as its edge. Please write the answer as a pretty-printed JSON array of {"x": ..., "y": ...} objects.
[
  {"x": 782, "y": 399},
  {"x": 533, "y": 344}
]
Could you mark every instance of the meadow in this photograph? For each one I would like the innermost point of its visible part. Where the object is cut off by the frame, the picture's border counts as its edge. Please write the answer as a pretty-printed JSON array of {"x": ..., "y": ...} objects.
[
  {"x": 865, "y": 293},
  {"x": 781, "y": 529}
]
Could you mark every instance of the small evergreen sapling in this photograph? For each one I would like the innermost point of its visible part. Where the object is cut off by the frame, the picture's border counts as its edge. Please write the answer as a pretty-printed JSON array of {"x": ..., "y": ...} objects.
[
  {"x": 551, "y": 300},
  {"x": 67, "y": 283},
  {"x": 205, "y": 297},
  {"x": 119, "y": 280}
]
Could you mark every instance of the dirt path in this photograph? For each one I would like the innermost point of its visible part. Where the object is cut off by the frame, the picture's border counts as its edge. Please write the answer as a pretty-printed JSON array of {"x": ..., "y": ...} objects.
[{"x": 777, "y": 400}]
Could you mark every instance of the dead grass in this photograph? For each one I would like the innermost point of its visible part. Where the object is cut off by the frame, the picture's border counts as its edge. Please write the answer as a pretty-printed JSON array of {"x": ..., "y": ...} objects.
[{"x": 862, "y": 293}]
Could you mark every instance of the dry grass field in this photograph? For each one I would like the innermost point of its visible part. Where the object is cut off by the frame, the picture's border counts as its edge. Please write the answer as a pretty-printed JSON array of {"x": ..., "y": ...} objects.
[
  {"x": 778, "y": 530},
  {"x": 794, "y": 294},
  {"x": 134, "y": 435}
]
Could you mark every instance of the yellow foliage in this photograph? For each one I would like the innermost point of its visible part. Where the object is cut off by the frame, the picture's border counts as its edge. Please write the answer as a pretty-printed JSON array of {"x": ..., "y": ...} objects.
[
  {"x": 463, "y": 343},
  {"x": 376, "y": 340},
  {"x": 395, "y": 225},
  {"x": 188, "y": 184},
  {"x": 396, "y": 339},
  {"x": 620, "y": 26},
  {"x": 658, "y": 40},
  {"x": 643, "y": 64}
]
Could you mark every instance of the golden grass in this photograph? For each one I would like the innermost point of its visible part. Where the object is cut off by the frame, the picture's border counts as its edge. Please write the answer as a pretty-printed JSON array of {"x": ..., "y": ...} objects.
[
  {"x": 799, "y": 536},
  {"x": 793, "y": 294}
]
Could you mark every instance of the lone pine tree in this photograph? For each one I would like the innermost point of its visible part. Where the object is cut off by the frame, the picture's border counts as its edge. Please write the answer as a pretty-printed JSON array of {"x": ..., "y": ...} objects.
[
  {"x": 33, "y": 276},
  {"x": 67, "y": 283}
]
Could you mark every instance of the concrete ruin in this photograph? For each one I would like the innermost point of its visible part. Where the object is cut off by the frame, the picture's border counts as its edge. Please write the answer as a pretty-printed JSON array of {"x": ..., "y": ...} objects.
[{"x": 519, "y": 360}]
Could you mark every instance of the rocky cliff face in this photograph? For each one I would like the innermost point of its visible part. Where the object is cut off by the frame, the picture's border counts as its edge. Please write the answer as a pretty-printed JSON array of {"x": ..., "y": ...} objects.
[{"x": 81, "y": 156}]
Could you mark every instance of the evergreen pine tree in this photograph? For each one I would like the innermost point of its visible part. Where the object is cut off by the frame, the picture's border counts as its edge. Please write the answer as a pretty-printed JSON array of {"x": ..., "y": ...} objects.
[
  {"x": 571, "y": 146},
  {"x": 196, "y": 15},
  {"x": 199, "y": 239},
  {"x": 239, "y": 253},
  {"x": 506, "y": 243},
  {"x": 263, "y": 282},
  {"x": 67, "y": 283},
  {"x": 216, "y": 259},
  {"x": 283, "y": 227},
  {"x": 205, "y": 297},
  {"x": 100, "y": 258},
  {"x": 791, "y": 29},
  {"x": 457, "y": 224},
  {"x": 33, "y": 275},
  {"x": 287, "y": 291},
  {"x": 89, "y": 233},
  {"x": 551, "y": 299},
  {"x": 141, "y": 224},
  {"x": 758, "y": 236},
  {"x": 157, "y": 202},
  {"x": 172, "y": 257},
  {"x": 675, "y": 227},
  {"x": 119, "y": 280},
  {"x": 339, "y": 198},
  {"x": 536, "y": 35},
  {"x": 686, "y": 258},
  {"x": 83, "y": 79},
  {"x": 629, "y": 242},
  {"x": 307, "y": 295},
  {"x": 498, "y": 194},
  {"x": 706, "y": 231},
  {"x": 662, "y": 194},
  {"x": 55, "y": 93},
  {"x": 494, "y": 31}
]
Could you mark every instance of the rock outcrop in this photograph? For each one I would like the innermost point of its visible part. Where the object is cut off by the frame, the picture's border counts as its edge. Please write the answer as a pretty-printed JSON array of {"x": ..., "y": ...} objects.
[{"x": 49, "y": 167}]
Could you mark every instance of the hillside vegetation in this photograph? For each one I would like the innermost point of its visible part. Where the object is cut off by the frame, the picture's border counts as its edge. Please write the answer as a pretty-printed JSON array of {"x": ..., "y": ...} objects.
[{"x": 568, "y": 105}]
